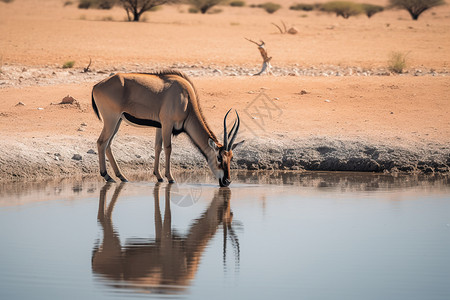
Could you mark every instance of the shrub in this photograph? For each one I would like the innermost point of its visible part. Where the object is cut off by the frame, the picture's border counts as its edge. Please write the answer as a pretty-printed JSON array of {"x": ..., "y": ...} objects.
[
  {"x": 237, "y": 3},
  {"x": 101, "y": 4},
  {"x": 270, "y": 7},
  {"x": 397, "y": 62},
  {"x": 7, "y": 1},
  {"x": 85, "y": 4},
  {"x": 204, "y": 5},
  {"x": 302, "y": 6},
  {"x": 416, "y": 7},
  {"x": 106, "y": 4},
  {"x": 68, "y": 64},
  {"x": 371, "y": 9},
  {"x": 193, "y": 10},
  {"x": 342, "y": 8}
]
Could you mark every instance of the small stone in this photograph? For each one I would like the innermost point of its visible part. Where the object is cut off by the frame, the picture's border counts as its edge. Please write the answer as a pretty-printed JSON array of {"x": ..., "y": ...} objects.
[
  {"x": 77, "y": 157},
  {"x": 138, "y": 156},
  {"x": 292, "y": 30},
  {"x": 68, "y": 100},
  {"x": 40, "y": 108},
  {"x": 328, "y": 101},
  {"x": 83, "y": 124},
  {"x": 81, "y": 129},
  {"x": 20, "y": 104},
  {"x": 303, "y": 92},
  {"x": 91, "y": 151}
]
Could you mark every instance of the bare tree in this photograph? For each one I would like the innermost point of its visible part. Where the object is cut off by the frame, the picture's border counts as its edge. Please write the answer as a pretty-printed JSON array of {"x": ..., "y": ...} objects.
[
  {"x": 135, "y": 8},
  {"x": 416, "y": 7}
]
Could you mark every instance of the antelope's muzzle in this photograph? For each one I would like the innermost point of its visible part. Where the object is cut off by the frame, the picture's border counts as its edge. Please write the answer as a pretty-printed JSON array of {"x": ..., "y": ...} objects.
[{"x": 224, "y": 182}]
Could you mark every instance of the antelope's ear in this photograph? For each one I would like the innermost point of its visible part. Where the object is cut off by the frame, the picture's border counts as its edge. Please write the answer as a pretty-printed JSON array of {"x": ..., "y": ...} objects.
[
  {"x": 212, "y": 144},
  {"x": 237, "y": 144}
]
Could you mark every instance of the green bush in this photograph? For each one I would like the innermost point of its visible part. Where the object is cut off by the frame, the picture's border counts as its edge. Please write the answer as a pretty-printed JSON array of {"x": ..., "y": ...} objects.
[
  {"x": 193, "y": 10},
  {"x": 344, "y": 9},
  {"x": 237, "y": 3},
  {"x": 68, "y": 64},
  {"x": 371, "y": 9},
  {"x": 270, "y": 7},
  {"x": 302, "y": 6},
  {"x": 416, "y": 7},
  {"x": 397, "y": 62},
  {"x": 100, "y": 4}
]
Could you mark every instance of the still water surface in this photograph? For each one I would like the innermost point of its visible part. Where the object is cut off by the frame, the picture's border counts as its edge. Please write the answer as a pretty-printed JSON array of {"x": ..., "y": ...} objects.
[{"x": 269, "y": 236}]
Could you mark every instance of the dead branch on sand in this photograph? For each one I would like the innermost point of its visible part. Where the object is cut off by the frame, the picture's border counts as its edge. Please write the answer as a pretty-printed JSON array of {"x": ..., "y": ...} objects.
[
  {"x": 291, "y": 30},
  {"x": 266, "y": 59},
  {"x": 88, "y": 66}
]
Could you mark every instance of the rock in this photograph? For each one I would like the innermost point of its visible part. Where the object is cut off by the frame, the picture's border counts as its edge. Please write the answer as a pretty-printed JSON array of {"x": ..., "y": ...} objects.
[
  {"x": 303, "y": 92},
  {"x": 91, "y": 151},
  {"x": 20, "y": 104},
  {"x": 77, "y": 157},
  {"x": 68, "y": 100},
  {"x": 292, "y": 30}
]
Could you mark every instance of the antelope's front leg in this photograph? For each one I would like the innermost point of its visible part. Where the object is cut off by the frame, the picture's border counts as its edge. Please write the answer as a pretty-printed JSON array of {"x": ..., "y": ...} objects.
[
  {"x": 167, "y": 141},
  {"x": 158, "y": 148}
]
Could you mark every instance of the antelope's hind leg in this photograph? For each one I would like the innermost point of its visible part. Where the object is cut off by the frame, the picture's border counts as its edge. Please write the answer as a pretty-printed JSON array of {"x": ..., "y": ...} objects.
[
  {"x": 111, "y": 158},
  {"x": 158, "y": 148},
  {"x": 110, "y": 127}
]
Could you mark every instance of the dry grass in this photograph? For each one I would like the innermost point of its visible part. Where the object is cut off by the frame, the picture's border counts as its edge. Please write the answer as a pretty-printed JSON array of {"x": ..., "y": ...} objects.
[{"x": 397, "y": 62}]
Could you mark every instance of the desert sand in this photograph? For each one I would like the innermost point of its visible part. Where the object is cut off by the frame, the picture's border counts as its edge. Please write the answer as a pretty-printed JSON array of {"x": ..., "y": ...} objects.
[{"x": 331, "y": 104}]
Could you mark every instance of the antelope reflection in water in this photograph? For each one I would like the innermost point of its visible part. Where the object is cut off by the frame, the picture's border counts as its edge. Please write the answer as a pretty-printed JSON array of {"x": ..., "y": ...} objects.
[{"x": 168, "y": 263}]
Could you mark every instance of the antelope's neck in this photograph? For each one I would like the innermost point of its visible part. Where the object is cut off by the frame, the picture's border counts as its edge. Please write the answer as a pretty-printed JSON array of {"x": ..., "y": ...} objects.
[{"x": 199, "y": 134}]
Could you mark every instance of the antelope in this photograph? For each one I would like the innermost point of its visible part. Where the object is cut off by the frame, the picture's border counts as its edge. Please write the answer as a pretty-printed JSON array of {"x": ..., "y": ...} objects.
[
  {"x": 168, "y": 101},
  {"x": 168, "y": 263}
]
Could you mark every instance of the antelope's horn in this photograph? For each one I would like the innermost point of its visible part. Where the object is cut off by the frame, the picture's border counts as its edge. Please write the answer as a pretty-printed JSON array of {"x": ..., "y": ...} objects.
[
  {"x": 235, "y": 133},
  {"x": 232, "y": 129},
  {"x": 225, "y": 135}
]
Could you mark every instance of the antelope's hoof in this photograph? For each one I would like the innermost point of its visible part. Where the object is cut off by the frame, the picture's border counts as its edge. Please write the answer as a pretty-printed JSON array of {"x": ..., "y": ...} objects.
[
  {"x": 160, "y": 180},
  {"x": 110, "y": 180},
  {"x": 123, "y": 179},
  {"x": 171, "y": 181}
]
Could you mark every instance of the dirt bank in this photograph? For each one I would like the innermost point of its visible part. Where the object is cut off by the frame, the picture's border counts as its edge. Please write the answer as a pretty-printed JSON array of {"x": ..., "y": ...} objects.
[{"x": 375, "y": 124}]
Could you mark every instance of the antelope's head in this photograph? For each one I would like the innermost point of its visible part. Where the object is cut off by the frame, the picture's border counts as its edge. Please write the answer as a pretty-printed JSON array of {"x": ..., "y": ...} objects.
[{"x": 223, "y": 154}]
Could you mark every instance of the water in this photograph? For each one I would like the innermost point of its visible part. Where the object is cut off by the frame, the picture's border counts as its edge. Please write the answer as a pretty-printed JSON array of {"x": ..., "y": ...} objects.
[{"x": 271, "y": 235}]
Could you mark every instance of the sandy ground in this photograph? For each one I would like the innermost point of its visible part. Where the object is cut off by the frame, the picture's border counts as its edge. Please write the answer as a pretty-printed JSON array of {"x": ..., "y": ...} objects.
[{"x": 323, "y": 117}]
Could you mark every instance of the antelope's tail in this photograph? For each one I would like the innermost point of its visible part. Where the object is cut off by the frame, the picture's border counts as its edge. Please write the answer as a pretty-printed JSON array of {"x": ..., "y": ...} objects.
[{"x": 94, "y": 106}]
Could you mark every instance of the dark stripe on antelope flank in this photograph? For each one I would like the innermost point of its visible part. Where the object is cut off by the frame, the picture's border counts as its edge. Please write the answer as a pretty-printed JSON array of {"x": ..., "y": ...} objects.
[
  {"x": 142, "y": 122},
  {"x": 177, "y": 131},
  {"x": 150, "y": 123}
]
